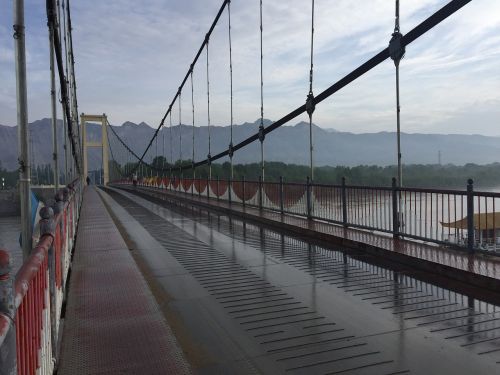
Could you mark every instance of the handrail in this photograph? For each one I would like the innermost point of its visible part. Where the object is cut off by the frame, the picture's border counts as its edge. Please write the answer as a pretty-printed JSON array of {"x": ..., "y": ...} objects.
[
  {"x": 30, "y": 267},
  {"x": 31, "y": 304},
  {"x": 456, "y": 218}
]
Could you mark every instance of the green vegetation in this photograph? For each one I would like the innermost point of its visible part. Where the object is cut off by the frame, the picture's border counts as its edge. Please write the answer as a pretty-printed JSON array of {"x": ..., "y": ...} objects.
[
  {"x": 431, "y": 176},
  {"x": 9, "y": 178},
  {"x": 40, "y": 175}
]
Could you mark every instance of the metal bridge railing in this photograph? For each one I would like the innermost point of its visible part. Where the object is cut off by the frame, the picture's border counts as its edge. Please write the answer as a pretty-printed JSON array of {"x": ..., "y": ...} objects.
[
  {"x": 459, "y": 218},
  {"x": 31, "y": 303}
]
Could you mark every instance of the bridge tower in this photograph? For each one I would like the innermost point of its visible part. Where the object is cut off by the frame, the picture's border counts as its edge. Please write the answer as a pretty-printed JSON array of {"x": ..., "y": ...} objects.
[{"x": 103, "y": 120}]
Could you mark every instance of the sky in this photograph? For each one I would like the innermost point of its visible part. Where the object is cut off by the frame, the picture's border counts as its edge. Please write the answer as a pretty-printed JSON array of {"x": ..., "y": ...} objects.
[{"x": 131, "y": 57}]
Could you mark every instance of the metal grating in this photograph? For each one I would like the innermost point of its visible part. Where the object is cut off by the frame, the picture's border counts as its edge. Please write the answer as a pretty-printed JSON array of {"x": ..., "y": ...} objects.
[{"x": 112, "y": 323}]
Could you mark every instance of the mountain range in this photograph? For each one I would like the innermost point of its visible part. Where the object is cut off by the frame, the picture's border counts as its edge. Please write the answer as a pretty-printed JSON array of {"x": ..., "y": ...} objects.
[{"x": 288, "y": 144}]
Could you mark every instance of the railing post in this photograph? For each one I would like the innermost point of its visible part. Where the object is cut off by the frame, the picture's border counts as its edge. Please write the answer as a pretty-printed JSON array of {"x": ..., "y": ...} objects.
[
  {"x": 229, "y": 182},
  {"x": 470, "y": 216},
  {"x": 308, "y": 197},
  {"x": 260, "y": 193},
  {"x": 282, "y": 203},
  {"x": 8, "y": 358},
  {"x": 395, "y": 210},
  {"x": 243, "y": 189},
  {"x": 218, "y": 188},
  {"x": 344, "y": 203}
]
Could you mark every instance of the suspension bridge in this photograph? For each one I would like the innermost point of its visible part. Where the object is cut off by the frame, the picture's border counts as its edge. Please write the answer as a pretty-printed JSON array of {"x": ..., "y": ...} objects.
[{"x": 163, "y": 267}]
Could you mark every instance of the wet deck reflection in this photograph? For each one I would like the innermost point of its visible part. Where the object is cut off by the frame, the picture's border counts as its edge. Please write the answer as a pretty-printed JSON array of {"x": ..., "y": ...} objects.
[{"x": 324, "y": 310}]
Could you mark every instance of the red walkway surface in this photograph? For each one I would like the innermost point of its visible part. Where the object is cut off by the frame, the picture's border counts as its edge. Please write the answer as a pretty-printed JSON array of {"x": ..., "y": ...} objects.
[
  {"x": 478, "y": 269},
  {"x": 112, "y": 323}
]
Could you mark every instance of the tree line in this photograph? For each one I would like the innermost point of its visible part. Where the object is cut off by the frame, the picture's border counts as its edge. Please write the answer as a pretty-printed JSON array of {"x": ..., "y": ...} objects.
[
  {"x": 414, "y": 175},
  {"x": 41, "y": 174}
]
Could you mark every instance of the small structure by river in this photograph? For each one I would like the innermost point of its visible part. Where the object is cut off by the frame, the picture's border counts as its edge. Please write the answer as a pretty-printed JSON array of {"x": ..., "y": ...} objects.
[{"x": 486, "y": 230}]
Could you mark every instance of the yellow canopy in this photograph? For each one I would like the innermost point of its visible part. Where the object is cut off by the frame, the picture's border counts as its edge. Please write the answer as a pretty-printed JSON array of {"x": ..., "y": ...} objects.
[{"x": 490, "y": 220}]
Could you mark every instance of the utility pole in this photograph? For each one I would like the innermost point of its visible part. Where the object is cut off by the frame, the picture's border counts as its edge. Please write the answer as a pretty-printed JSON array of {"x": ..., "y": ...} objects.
[
  {"x": 22, "y": 125},
  {"x": 53, "y": 102}
]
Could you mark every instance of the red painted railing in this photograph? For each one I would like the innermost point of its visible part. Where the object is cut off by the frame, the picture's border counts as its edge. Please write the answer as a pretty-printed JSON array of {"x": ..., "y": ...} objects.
[
  {"x": 31, "y": 304},
  {"x": 31, "y": 299}
]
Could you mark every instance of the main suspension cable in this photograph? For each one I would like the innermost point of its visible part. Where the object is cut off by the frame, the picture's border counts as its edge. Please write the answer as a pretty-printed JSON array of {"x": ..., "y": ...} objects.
[
  {"x": 75, "y": 149},
  {"x": 72, "y": 75},
  {"x": 440, "y": 15},
  {"x": 62, "y": 30},
  {"x": 200, "y": 50}
]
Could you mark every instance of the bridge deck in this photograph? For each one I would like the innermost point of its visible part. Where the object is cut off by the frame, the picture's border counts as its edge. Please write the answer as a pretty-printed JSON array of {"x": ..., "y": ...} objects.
[
  {"x": 479, "y": 270},
  {"x": 252, "y": 300},
  {"x": 112, "y": 322}
]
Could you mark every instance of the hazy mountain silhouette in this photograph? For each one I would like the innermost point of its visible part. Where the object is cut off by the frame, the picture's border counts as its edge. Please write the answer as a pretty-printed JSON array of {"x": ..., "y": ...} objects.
[{"x": 287, "y": 144}]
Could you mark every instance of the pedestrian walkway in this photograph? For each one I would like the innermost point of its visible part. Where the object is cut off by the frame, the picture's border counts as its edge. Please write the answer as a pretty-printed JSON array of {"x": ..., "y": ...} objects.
[
  {"x": 477, "y": 269},
  {"x": 112, "y": 322}
]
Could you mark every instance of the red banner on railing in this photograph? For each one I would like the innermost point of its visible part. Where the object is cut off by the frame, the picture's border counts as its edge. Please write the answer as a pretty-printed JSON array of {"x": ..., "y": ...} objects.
[
  {"x": 200, "y": 186},
  {"x": 186, "y": 184},
  {"x": 245, "y": 190},
  {"x": 218, "y": 187},
  {"x": 293, "y": 193}
]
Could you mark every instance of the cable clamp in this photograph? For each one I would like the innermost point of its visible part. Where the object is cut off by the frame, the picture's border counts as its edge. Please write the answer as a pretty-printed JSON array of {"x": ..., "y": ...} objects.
[
  {"x": 396, "y": 48},
  {"x": 262, "y": 135},
  {"x": 231, "y": 150},
  {"x": 22, "y": 165},
  {"x": 310, "y": 104},
  {"x": 18, "y": 31}
]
